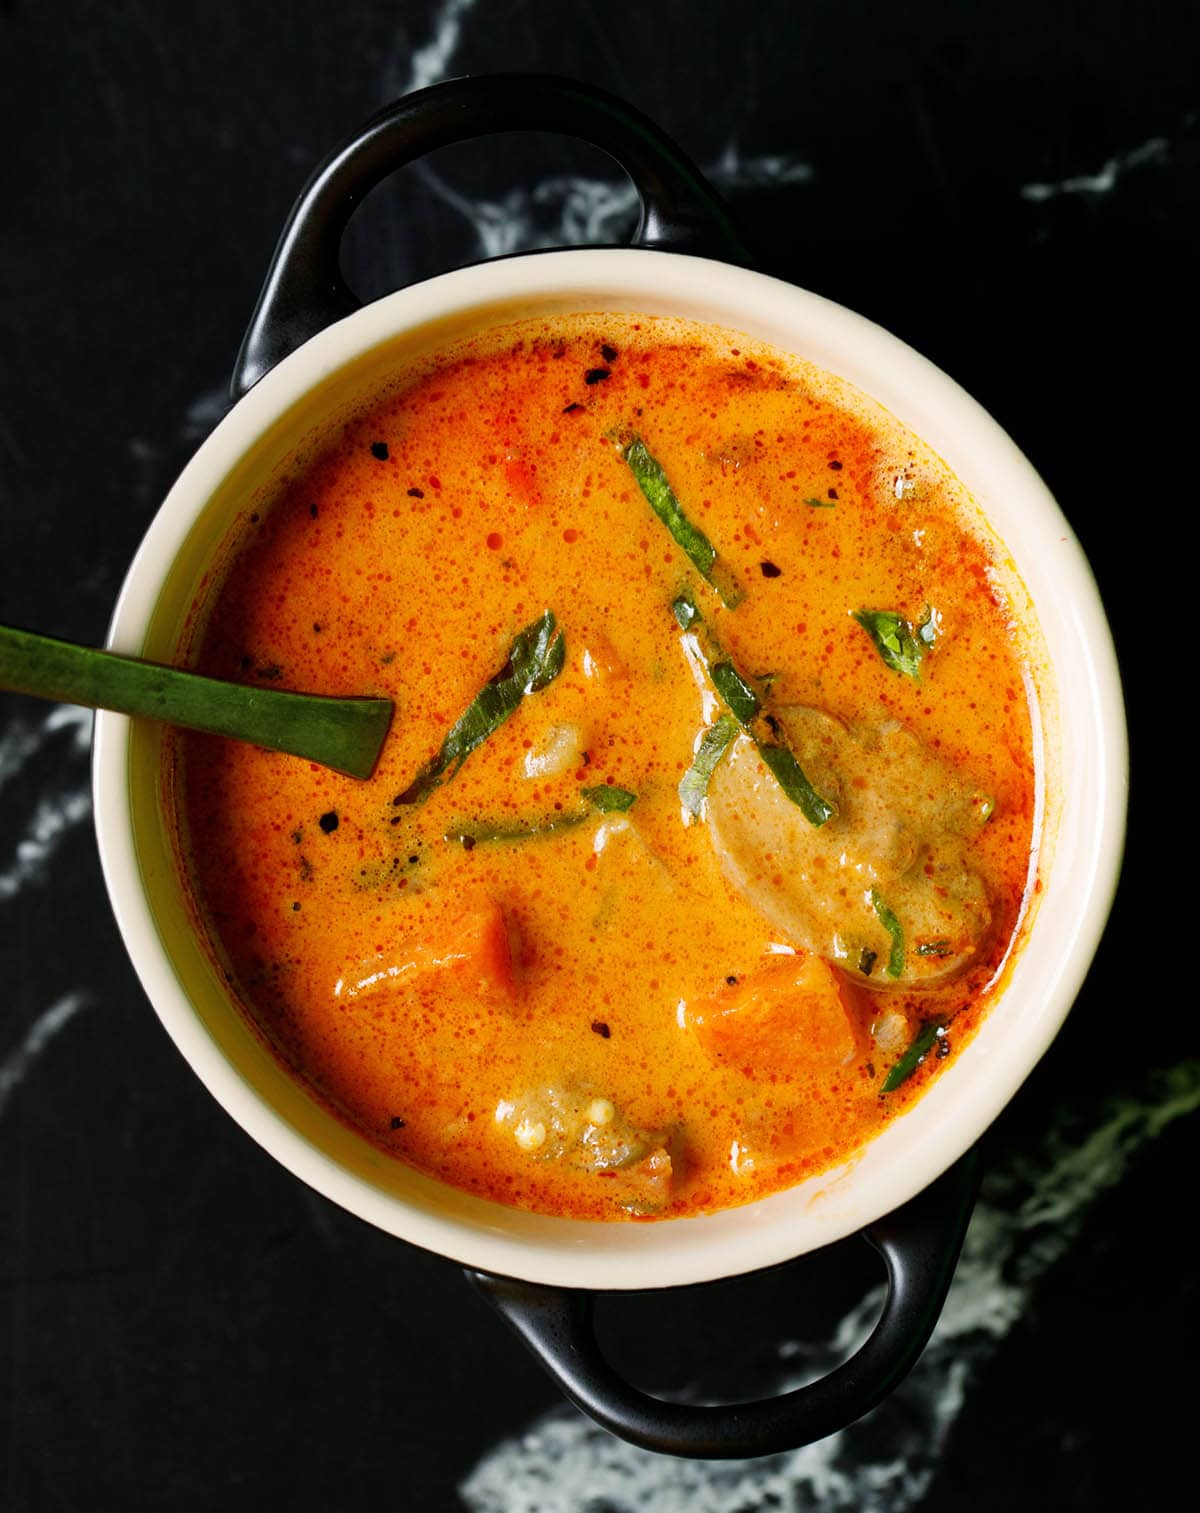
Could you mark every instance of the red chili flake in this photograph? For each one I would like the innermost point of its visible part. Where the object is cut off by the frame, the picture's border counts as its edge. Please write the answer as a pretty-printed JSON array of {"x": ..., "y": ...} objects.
[
  {"x": 601, "y": 1029},
  {"x": 571, "y": 408},
  {"x": 596, "y": 375},
  {"x": 609, "y": 354},
  {"x": 769, "y": 570},
  {"x": 416, "y": 493}
]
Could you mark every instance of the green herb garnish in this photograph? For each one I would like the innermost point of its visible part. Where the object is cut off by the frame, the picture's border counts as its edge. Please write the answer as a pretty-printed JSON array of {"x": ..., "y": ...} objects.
[
  {"x": 609, "y": 799},
  {"x": 695, "y": 545},
  {"x": 894, "y": 640},
  {"x": 895, "y": 962},
  {"x": 934, "y": 948},
  {"x": 790, "y": 776},
  {"x": 605, "y": 798},
  {"x": 685, "y": 611},
  {"x": 470, "y": 836},
  {"x": 535, "y": 659},
  {"x": 736, "y": 692},
  {"x": 746, "y": 707},
  {"x": 821, "y": 504},
  {"x": 912, "y": 1058},
  {"x": 714, "y": 743}
]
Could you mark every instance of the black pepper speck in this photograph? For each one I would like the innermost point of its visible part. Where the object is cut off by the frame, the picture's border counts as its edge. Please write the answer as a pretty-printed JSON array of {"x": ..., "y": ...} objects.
[
  {"x": 329, "y": 822},
  {"x": 380, "y": 449}
]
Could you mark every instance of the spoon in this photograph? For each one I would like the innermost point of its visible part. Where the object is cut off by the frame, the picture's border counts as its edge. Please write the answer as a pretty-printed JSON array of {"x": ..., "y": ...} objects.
[{"x": 345, "y": 734}]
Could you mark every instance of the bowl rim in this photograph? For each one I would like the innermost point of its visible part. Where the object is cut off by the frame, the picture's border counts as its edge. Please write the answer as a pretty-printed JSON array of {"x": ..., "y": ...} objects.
[{"x": 944, "y": 1122}]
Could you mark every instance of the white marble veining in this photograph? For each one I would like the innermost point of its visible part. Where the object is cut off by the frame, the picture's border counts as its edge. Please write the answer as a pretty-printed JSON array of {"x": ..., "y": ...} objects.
[
  {"x": 1154, "y": 150},
  {"x": 428, "y": 64},
  {"x": 17, "y": 1064},
  {"x": 575, "y": 209},
  {"x": 57, "y": 811},
  {"x": 1030, "y": 1213}
]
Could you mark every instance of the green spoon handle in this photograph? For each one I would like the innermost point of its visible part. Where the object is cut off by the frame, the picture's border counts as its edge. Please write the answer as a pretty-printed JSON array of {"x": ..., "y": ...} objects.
[{"x": 345, "y": 734}]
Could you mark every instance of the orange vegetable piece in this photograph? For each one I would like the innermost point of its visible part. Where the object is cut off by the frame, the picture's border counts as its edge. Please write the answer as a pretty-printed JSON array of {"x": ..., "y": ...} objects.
[
  {"x": 473, "y": 947},
  {"x": 795, "y": 1016}
]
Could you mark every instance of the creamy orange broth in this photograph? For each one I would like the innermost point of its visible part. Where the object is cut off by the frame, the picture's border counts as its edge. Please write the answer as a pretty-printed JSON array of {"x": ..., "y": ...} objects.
[{"x": 596, "y": 1021}]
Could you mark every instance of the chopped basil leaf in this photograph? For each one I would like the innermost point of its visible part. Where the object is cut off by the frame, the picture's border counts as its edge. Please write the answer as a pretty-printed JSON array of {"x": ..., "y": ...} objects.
[
  {"x": 535, "y": 659},
  {"x": 694, "y": 544},
  {"x": 894, "y": 640},
  {"x": 609, "y": 799},
  {"x": 866, "y": 961},
  {"x": 821, "y": 504},
  {"x": 736, "y": 692},
  {"x": 895, "y": 963},
  {"x": 934, "y": 948},
  {"x": 714, "y": 743},
  {"x": 788, "y": 773},
  {"x": 912, "y": 1058}
]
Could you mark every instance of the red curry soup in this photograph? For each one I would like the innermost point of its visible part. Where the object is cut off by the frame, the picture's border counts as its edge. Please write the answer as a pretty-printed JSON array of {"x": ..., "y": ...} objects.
[{"x": 703, "y": 833}]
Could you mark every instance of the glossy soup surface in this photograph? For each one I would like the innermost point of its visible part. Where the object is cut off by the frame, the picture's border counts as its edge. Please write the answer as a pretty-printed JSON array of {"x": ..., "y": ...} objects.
[{"x": 491, "y": 967}]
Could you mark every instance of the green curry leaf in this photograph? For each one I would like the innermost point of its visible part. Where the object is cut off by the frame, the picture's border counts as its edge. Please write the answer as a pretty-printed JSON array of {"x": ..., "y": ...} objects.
[
  {"x": 746, "y": 707},
  {"x": 913, "y": 1057},
  {"x": 894, "y": 640},
  {"x": 535, "y": 659},
  {"x": 714, "y": 743},
  {"x": 736, "y": 692},
  {"x": 609, "y": 799},
  {"x": 895, "y": 962},
  {"x": 695, "y": 545},
  {"x": 790, "y": 776}
]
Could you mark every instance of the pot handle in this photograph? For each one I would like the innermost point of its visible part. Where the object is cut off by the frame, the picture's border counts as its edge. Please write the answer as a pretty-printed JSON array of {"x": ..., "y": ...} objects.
[
  {"x": 304, "y": 291},
  {"x": 919, "y": 1243}
]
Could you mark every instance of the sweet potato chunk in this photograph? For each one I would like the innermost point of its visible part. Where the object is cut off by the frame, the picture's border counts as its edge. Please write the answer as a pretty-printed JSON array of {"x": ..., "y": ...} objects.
[
  {"x": 794, "y": 1016},
  {"x": 472, "y": 946}
]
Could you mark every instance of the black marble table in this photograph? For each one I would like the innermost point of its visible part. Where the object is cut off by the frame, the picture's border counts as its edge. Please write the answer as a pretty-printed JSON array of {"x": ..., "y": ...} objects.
[{"x": 1011, "y": 187}]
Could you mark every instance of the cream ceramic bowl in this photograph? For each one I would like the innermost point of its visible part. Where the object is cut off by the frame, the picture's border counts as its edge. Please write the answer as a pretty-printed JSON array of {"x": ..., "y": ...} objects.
[{"x": 1083, "y": 771}]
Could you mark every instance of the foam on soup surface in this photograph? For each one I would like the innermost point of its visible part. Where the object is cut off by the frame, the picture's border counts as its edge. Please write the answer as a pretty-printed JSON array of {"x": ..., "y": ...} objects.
[{"x": 704, "y": 826}]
